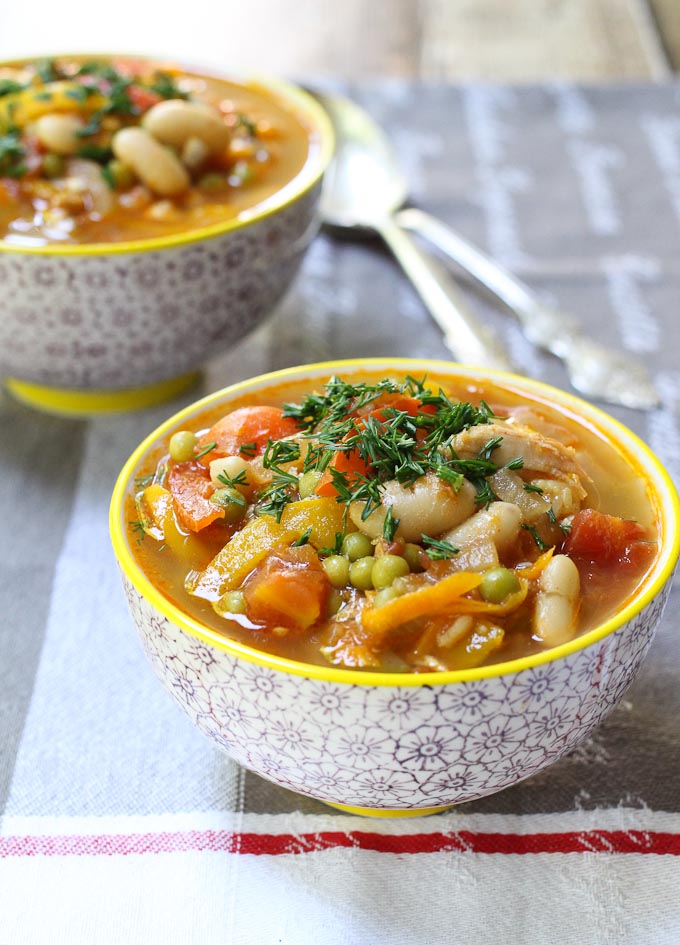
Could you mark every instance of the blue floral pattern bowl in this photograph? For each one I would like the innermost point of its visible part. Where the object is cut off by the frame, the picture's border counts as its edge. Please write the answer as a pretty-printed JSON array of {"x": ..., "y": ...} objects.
[{"x": 394, "y": 745}]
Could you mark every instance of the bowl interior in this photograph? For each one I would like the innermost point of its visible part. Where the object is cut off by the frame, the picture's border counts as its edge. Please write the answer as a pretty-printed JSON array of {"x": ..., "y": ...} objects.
[{"x": 660, "y": 490}]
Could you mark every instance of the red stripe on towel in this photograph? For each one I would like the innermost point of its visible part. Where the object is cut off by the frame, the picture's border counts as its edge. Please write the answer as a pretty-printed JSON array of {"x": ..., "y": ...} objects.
[{"x": 267, "y": 844}]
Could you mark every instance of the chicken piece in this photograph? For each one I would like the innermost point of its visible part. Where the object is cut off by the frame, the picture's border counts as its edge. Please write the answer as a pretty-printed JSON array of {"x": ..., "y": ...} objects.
[{"x": 540, "y": 453}]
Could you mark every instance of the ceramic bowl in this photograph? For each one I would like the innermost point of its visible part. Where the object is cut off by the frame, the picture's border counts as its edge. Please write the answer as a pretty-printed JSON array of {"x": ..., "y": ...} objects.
[
  {"x": 385, "y": 744},
  {"x": 118, "y": 326}
]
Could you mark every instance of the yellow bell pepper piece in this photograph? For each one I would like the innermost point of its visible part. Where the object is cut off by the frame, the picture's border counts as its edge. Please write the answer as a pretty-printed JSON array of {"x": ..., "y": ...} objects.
[
  {"x": 20, "y": 108},
  {"x": 157, "y": 511},
  {"x": 239, "y": 557},
  {"x": 474, "y": 649},
  {"x": 323, "y": 515}
]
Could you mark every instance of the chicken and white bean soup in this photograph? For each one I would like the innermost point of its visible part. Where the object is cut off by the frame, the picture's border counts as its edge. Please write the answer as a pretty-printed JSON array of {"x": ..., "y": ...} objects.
[
  {"x": 110, "y": 150},
  {"x": 394, "y": 524}
]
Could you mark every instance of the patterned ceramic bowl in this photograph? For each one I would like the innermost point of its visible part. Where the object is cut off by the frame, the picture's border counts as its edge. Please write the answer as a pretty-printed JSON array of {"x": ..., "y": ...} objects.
[
  {"x": 394, "y": 745},
  {"x": 119, "y": 326}
]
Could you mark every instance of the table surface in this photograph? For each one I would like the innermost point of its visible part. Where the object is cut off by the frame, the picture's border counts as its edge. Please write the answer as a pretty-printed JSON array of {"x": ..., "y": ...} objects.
[
  {"x": 120, "y": 823},
  {"x": 522, "y": 40}
]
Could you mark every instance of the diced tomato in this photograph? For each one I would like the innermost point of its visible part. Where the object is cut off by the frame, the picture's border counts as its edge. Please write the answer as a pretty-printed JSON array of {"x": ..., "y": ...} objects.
[
  {"x": 246, "y": 427},
  {"x": 347, "y": 462},
  {"x": 191, "y": 489},
  {"x": 289, "y": 589},
  {"x": 606, "y": 539},
  {"x": 141, "y": 98}
]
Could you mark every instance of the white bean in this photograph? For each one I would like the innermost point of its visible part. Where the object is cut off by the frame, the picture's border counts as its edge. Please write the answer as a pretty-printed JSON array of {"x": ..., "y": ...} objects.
[
  {"x": 175, "y": 121},
  {"x": 156, "y": 166},
  {"x": 59, "y": 133},
  {"x": 428, "y": 507},
  {"x": 500, "y": 523},
  {"x": 231, "y": 467},
  {"x": 556, "y": 605}
]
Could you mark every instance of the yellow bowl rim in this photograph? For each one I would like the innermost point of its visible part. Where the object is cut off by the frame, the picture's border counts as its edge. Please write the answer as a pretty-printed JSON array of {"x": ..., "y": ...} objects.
[
  {"x": 660, "y": 483},
  {"x": 311, "y": 173}
]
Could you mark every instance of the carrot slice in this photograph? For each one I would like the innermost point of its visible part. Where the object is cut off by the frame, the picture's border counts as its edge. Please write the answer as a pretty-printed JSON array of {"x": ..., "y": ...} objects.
[
  {"x": 249, "y": 427},
  {"x": 191, "y": 489},
  {"x": 433, "y": 599},
  {"x": 290, "y": 588}
]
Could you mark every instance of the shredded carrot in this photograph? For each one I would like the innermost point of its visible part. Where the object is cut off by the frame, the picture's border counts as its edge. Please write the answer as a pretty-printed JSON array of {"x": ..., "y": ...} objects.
[
  {"x": 535, "y": 569},
  {"x": 444, "y": 596}
]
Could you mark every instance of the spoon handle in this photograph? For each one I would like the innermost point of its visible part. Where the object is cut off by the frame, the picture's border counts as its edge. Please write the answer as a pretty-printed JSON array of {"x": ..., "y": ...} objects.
[
  {"x": 594, "y": 369},
  {"x": 468, "y": 340}
]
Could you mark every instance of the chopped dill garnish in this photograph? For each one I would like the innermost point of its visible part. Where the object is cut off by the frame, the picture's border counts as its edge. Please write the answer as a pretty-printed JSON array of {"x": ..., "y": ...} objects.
[
  {"x": 208, "y": 448},
  {"x": 551, "y": 515},
  {"x": 438, "y": 549},
  {"x": 303, "y": 539},
  {"x": 530, "y": 487},
  {"x": 138, "y": 530},
  {"x": 336, "y": 548},
  {"x": 542, "y": 546},
  {"x": 516, "y": 463},
  {"x": 238, "y": 480},
  {"x": 390, "y": 525},
  {"x": 143, "y": 481},
  {"x": 248, "y": 449}
]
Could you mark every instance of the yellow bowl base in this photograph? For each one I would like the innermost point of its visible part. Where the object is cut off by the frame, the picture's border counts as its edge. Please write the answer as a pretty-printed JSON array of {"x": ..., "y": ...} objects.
[
  {"x": 377, "y": 812},
  {"x": 83, "y": 403}
]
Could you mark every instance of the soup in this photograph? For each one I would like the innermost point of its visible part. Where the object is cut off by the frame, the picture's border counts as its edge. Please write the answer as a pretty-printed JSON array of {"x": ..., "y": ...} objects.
[
  {"x": 394, "y": 524},
  {"x": 104, "y": 151}
]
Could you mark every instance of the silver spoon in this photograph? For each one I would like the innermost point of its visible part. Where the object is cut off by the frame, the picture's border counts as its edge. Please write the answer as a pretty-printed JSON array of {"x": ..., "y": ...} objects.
[{"x": 365, "y": 189}]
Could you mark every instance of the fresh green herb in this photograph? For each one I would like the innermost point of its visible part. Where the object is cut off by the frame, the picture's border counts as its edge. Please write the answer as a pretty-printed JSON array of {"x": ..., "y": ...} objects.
[
  {"x": 43, "y": 96},
  {"x": 12, "y": 155},
  {"x": 208, "y": 448},
  {"x": 542, "y": 546},
  {"x": 164, "y": 85},
  {"x": 566, "y": 527},
  {"x": 79, "y": 94},
  {"x": 390, "y": 525},
  {"x": 489, "y": 447},
  {"x": 336, "y": 549},
  {"x": 277, "y": 452},
  {"x": 238, "y": 480},
  {"x": 138, "y": 530},
  {"x": 109, "y": 176},
  {"x": 303, "y": 539},
  {"x": 47, "y": 71},
  {"x": 224, "y": 498},
  {"x": 439, "y": 549},
  {"x": 485, "y": 494},
  {"x": 9, "y": 87},
  {"x": 516, "y": 463},
  {"x": 141, "y": 482},
  {"x": 551, "y": 515},
  {"x": 530, "y": 487},
  {"x": 94, "y": 152},
  {"x": 242, "y": 121},
  {"x": 248, "y": 449}
]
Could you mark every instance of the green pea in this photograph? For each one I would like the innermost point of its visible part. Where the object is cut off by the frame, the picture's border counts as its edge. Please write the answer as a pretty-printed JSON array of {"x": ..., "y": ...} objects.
[
  {"x": 53, "y": 165},
  {"x": 360, "y": 573},
  {"x": 233, "y": 602},
  {"x": 233, "y": 503},
  {"x": 182, "y": 446},
  {"x": 212, "y": 182},
  {"x": 385, "y": 595},
  {"x": 412, "y": 555},
  {"x": 308, "y": 482},
  {"x": 355, "y": 546},
  {"x": 387, "y": 569},
  {"x": 335, "y": 602},
  {"x": 497, "y": 584},
  {"x": 122, "y": 175},
  {"x": 337, "y": 570}
]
